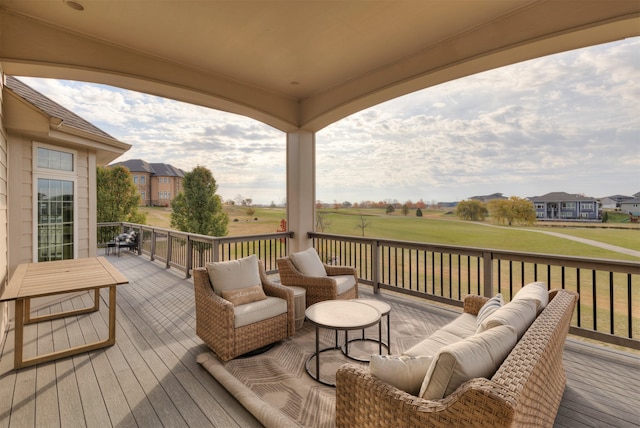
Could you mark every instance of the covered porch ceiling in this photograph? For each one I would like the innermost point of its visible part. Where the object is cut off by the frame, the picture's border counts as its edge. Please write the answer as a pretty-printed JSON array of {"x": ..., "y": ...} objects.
[{"x": 294, "y": 64}]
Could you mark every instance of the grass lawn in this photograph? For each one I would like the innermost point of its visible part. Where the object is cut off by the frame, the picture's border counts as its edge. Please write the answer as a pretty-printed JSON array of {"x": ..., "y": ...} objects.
[{"x": 434, "y": 227}]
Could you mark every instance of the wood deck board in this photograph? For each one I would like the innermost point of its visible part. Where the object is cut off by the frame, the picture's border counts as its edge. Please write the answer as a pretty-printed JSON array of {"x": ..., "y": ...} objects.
[{"x": 150, "y": 377}]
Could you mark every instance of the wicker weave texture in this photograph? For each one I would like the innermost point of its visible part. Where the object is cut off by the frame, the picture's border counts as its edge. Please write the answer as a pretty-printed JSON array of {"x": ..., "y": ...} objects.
[
  {"x": 318, "y": 289},
  {"x": 215, "y": 319},
  {"x": 525, "y": 391}
]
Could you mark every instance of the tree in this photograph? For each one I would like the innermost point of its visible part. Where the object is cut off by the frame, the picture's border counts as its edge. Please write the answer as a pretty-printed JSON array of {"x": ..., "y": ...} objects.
[
  {"x": 117, "y": 196},
  {"x": 390, "y": 209},
  {"x": 473, "y": 210},
  {"x": 362, "y": 224},
  {"x": 405, "y": 209},
  {"x": 418, "y": 212},
  {"x": 321, "y": 222},
  {"x": 512, "y": 210},
  {"x": 198, "y": 209}
]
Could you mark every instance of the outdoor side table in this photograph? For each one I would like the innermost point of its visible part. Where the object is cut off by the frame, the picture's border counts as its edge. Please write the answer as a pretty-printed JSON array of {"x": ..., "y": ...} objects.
[
  {"x": 300, "y": 303},
  {"x": 385, "y": 310},
  {"x": 32, "y": 280},
  {"x": 339, "y": 315}
]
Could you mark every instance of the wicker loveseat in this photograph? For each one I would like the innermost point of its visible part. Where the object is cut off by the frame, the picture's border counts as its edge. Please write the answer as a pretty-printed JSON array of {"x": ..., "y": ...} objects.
[
  {"x": 525, "y": 391},
  {"x": 216, "y": 319}
]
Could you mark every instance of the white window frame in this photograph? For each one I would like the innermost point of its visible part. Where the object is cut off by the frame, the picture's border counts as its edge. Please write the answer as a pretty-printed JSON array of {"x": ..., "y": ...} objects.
[{"x": 53, "y": 174}]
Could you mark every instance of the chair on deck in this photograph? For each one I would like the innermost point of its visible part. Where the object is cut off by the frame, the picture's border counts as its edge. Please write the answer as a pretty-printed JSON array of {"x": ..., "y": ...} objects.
[
  {"x": 238, "y": 309},
  {"x": 320, "y": 280}
]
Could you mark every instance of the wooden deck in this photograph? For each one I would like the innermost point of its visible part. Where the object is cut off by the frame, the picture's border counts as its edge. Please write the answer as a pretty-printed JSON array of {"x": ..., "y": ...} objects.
[{"x": 150, "y": 377}]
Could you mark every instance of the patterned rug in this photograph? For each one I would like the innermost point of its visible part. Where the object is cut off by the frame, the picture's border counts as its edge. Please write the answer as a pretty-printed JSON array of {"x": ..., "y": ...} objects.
[{"x": 275, "y": 387}]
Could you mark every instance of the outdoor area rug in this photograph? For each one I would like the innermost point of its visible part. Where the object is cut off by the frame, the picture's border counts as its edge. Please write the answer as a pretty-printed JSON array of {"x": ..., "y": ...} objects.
[{"x": 275, "y": 387}]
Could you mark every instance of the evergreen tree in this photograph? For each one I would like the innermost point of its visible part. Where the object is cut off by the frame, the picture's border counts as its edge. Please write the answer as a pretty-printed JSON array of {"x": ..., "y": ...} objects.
[
  {"x": 418, "y": 212},
  {"x": 198, "y": 209}
]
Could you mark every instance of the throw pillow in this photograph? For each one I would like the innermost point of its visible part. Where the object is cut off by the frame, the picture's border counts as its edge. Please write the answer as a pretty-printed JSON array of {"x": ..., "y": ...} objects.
[
  {"x": 234, "y": 274},
  {"x": 536, "y": 291},
  {"x": 308, "y": 263},
  {"x": 477, "y": 356},
  {"x": 519, "y": 314},
  {"x": 402, "y": 371},
  {"x": 492, "y": 305},
  {"x": 243, "y": 296}
]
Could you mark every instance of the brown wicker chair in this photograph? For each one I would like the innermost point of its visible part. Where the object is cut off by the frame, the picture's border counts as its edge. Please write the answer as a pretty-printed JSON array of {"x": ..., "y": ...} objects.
[
  {"x": 318, "y": 288},
  {"x": 215, "y": 319}
]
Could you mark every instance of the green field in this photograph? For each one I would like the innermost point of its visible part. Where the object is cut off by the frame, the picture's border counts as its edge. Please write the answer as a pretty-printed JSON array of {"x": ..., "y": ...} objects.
[{"x": 435, "y": 227}]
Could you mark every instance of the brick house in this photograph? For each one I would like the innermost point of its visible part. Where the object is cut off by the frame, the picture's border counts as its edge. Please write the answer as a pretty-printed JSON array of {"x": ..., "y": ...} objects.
[
  {"x": 158, "y": 183},
  {"x": 566, "y": 206}
]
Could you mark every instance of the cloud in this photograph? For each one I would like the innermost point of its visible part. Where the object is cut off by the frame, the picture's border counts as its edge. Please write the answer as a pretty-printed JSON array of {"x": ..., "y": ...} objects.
[{"x": 566, "y": 122}]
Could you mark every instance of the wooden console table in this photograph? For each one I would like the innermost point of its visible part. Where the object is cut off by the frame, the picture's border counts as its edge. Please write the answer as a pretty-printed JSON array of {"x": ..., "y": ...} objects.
[{"x": 32, "y": 280}]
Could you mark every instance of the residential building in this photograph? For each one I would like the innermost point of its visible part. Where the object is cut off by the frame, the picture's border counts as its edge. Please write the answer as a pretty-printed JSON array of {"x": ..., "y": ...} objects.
[
  {"x": 51, "y": 184},
  {"x": 158, "y": 183},
  {"x": 566, "y": 206},
  {"x": 612, "y": 203},
  {"x": 487, "y": 198},
  {"x": 631, "y": 206}
]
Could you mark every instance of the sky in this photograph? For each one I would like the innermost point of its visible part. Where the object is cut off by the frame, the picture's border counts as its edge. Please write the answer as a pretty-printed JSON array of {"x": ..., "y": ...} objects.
[{"x": 569, "y": 122}]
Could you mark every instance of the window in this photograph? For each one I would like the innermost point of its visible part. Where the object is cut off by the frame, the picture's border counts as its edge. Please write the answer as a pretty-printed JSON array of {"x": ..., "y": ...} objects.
[
  {"x": 55, "y": 159},
  {"x": 539, "y": 206},
  {"x": 142, "y": 179},
  {"x": 587, "y": 206},
  {"x": 568, "y": 205},
  {"x": 55, "y": 219},
  {"x": 143, "y": 196},
  {"x": 54, "y": 182},
  {"x": 135, "y": 179}
]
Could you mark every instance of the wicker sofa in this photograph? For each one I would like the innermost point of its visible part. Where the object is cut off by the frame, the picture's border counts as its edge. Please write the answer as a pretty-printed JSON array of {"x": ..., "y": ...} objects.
[{"x": 525, "y": 391}]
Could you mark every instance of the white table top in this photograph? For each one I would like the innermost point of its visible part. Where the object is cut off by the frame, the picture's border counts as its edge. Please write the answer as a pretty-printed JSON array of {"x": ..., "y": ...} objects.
[
  {"x": 342, "y": 314},
  {"x": 381, "y": 306}
]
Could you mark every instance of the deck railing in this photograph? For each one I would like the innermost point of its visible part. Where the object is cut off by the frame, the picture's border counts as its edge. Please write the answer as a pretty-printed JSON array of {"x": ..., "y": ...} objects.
[
  {"x": 609, "y": 305},
  {"x": 608, "y": 310},
  {"x": 186, "y": 251}
]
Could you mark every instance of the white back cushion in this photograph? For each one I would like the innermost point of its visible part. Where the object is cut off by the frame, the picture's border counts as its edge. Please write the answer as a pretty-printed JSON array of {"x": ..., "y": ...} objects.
[
  {"x": 492, "y": 305},
  {"x": 308, "y": 263},
  {"x": 519, "y": 314},
  {"x": 234, "y": 274},
  {"x": 403, "y": 372},
  {"x": 477, "y": 356},
  {"x": 535, "y": 291}
]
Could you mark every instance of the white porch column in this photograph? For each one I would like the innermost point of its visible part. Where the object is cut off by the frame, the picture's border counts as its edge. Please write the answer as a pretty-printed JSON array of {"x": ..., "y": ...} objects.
[{"x": 301, "y": 187}]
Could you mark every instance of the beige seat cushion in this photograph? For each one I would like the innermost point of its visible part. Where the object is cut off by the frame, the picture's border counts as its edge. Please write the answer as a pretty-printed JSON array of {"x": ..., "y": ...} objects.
[
  {"x": 344, "y": 283},
  {"x": 535, "y": 291},
  {"x": 519, "y": 314},
  {"x": 477, "y": 356},
  {"x": 308, "y": 263},
  {"x": 403, "y": 372},
  {"x": 259, "y": 311},
  {"x": 234, "y": 274}
]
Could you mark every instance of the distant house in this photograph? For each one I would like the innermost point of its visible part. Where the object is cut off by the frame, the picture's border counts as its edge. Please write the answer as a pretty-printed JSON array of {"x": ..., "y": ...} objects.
[
  {"x": 613, "y": 202},
  {"x": 631, "y": 206},
  {"x": 158, "y": 183},
  {"x": 566, "y": 206},
  {"x": 487, "y": 198}
]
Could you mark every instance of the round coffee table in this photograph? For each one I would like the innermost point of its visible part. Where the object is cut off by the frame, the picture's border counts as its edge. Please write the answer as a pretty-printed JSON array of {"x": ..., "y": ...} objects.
[
  {"x": 385, "y": 310},
  {"x": 338, "y": 315}
]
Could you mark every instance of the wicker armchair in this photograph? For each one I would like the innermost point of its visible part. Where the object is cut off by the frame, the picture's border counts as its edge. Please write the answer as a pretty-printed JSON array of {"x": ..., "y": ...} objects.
[
  {"x": 215, "y": 319},
  {"x": 318, "y": 288}
]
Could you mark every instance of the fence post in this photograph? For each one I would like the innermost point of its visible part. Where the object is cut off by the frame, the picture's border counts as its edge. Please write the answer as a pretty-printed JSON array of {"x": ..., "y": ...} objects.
[
  {"x": 153, "y": 245},
  {"x": 487, "y": 265},
  {"x": 189, "y": 262},
  {"x": 375, "y": 266},
  {"x": 215, "y": 246},
  {"x": 169, "y": 250}
]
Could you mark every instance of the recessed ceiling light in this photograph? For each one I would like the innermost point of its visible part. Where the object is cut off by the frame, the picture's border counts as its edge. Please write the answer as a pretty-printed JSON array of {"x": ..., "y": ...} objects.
[
  {"x": 295, "y": 83},
  {"x": 74, "y": 4}
]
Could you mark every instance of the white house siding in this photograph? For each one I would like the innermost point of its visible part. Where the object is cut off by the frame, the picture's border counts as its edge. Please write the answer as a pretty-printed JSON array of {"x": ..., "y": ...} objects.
[
  {"x": 21, "y": 215},
  {"x": 4, "y": 265}
]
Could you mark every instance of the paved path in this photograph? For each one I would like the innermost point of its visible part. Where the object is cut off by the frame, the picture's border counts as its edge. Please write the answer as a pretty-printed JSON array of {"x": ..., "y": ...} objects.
[{"x": 585, "y": 241}]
